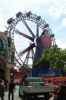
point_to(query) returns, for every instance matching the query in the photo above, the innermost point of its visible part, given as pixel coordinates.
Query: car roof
(34, 79)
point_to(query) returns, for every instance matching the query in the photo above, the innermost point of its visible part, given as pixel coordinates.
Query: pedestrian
(11, 90)
(24, 81)
(62, 93)
(2, 88)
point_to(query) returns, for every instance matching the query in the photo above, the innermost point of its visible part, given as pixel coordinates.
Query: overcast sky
(54, 12)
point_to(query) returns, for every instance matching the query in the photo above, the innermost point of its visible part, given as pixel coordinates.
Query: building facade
(7, 52)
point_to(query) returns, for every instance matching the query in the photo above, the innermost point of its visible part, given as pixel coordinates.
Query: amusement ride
(38, 34)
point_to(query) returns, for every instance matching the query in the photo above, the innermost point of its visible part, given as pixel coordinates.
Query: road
(16, 97)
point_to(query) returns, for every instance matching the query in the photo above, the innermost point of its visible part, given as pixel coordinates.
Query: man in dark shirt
(11, 90)
(2, 87)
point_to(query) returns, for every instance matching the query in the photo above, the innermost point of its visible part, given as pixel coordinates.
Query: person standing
(11, 90)
(2, 88)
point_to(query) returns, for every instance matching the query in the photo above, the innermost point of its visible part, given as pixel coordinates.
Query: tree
(54, 56)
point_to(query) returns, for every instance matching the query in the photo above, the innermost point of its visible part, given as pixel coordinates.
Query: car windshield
(34, 81)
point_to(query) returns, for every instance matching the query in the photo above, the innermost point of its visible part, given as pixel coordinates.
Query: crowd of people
(10, 87)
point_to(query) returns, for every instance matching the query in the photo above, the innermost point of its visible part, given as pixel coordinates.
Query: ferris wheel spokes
(26, 36)
(25, 23)
(37, 30)
(27, 49)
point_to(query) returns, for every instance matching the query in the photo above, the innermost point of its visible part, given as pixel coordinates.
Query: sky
(53, 11)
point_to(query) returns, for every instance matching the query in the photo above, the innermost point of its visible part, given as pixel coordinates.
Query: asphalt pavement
(16, 95)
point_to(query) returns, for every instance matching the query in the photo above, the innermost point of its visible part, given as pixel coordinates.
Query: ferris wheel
(34, 33)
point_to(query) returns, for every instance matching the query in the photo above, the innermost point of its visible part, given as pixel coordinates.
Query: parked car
(33, 88)
(30, 82)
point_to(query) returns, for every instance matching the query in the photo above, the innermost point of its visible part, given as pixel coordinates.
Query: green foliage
(54, 56)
